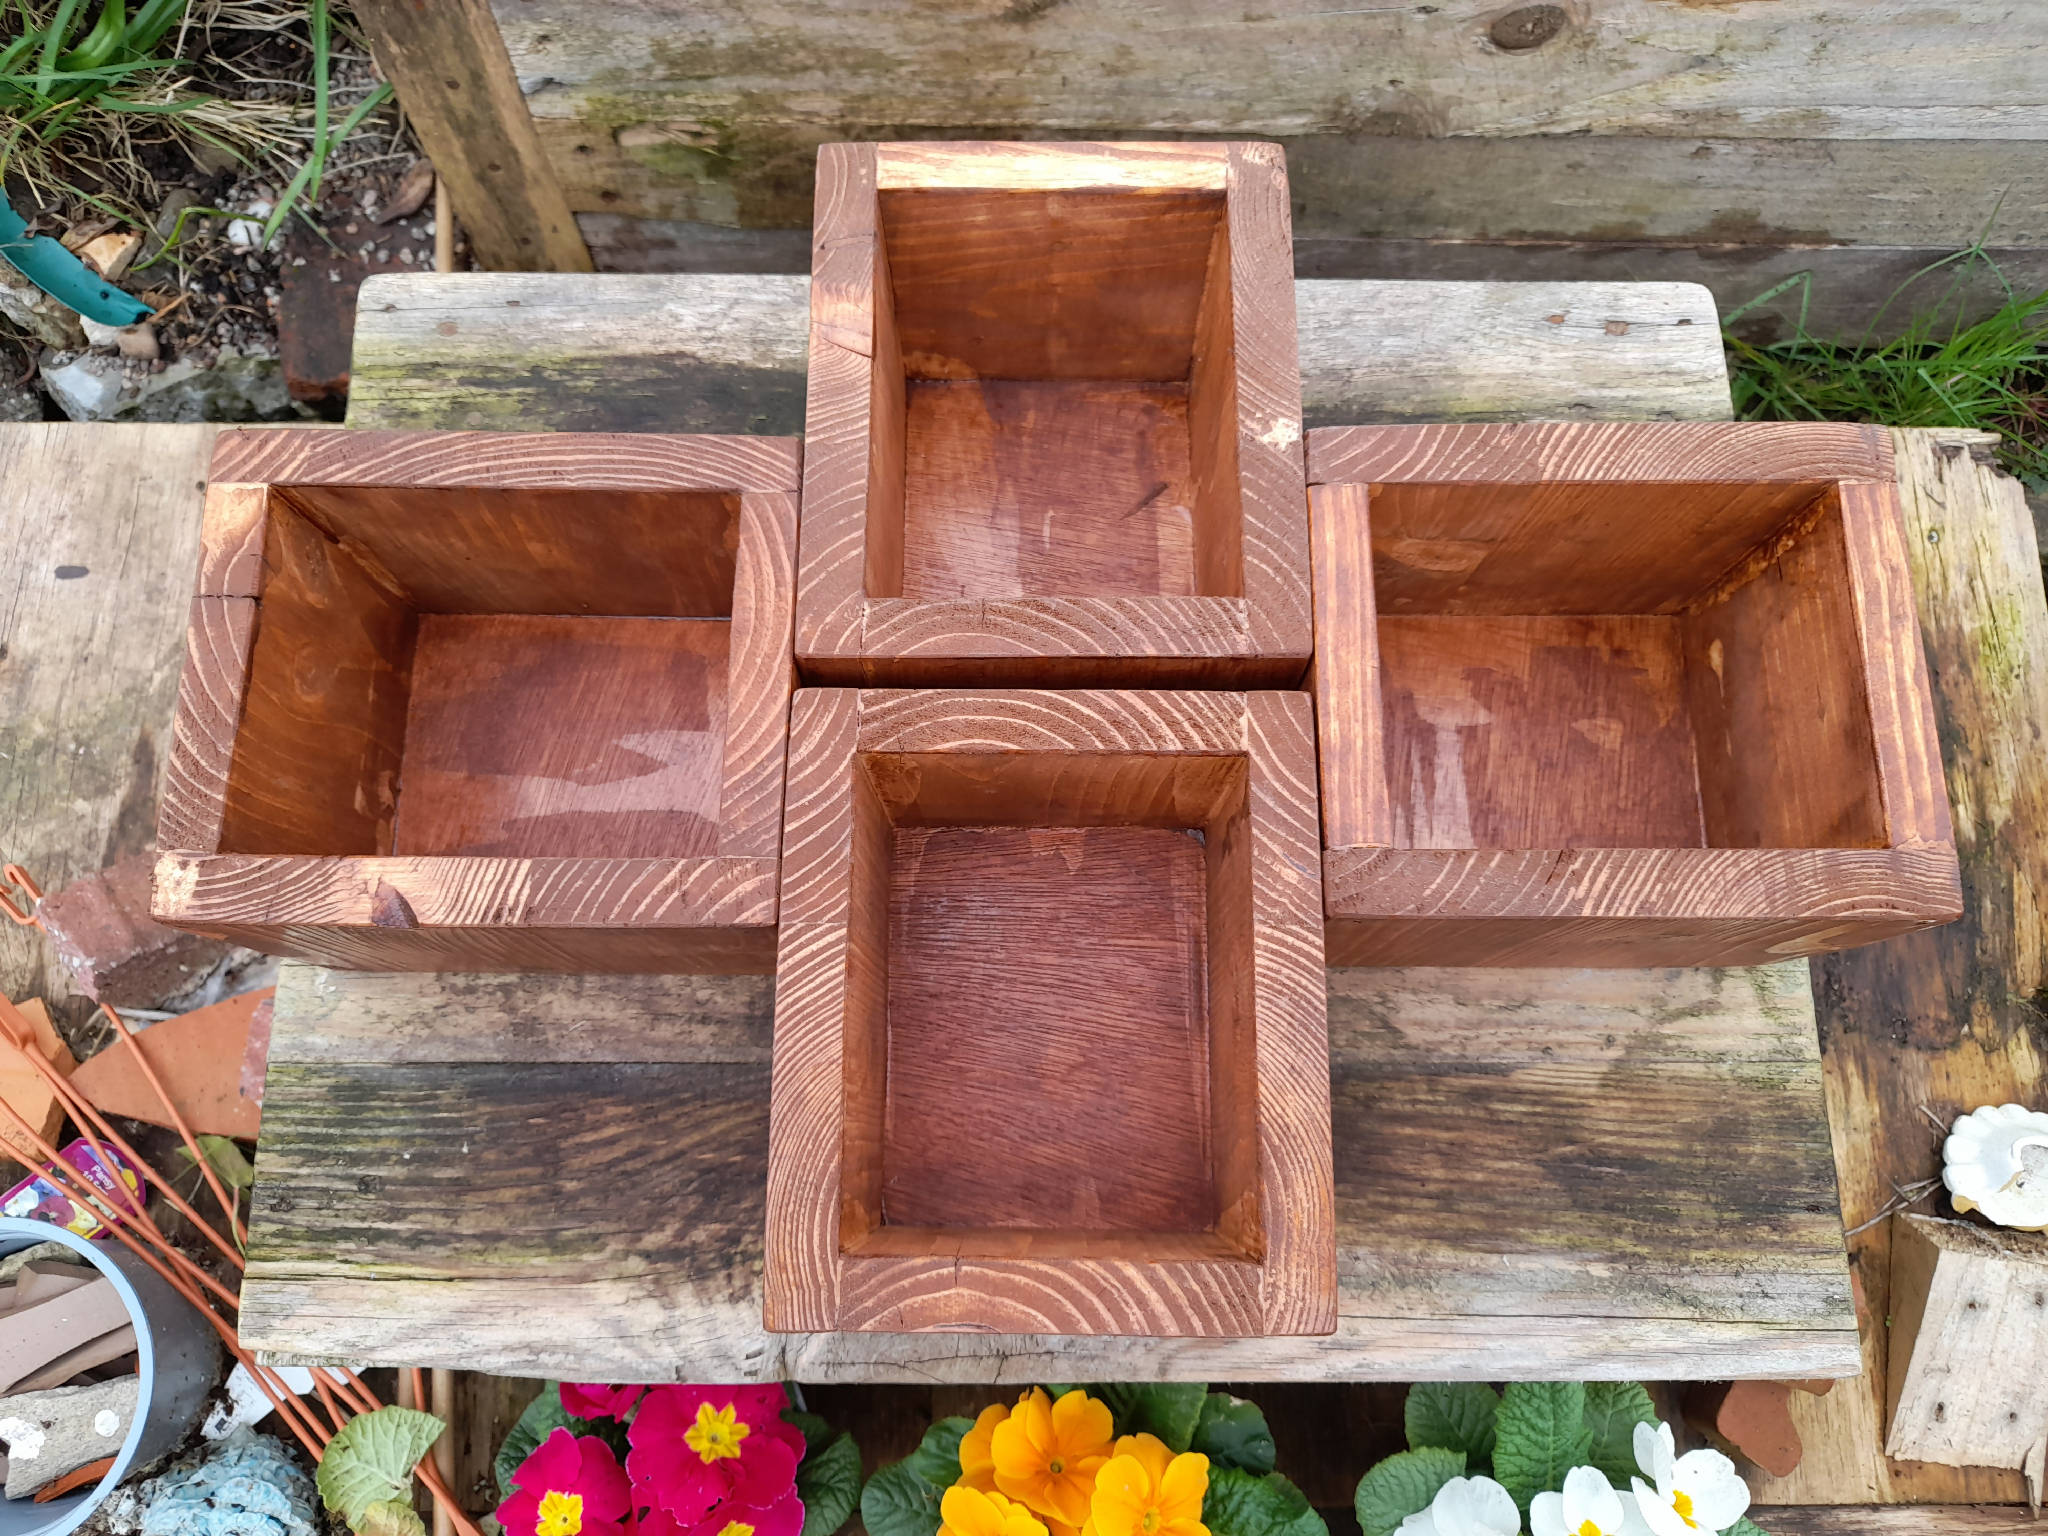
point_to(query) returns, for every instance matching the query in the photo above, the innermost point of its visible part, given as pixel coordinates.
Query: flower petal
(1081, 1425)
(1655, 1452)
(1589, 1496)
(1657, 1512)
(1546, 1515)
(1151, 1453)
(1182, 1489)
(1476, 1506)
(1719, 1495)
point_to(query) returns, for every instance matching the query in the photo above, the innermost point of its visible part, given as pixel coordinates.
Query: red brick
(103, 933)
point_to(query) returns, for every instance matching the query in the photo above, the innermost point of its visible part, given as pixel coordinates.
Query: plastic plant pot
(177, 1358)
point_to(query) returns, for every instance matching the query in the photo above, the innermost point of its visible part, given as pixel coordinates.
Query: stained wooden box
(487, 701)
(1051, 1052)
(1619, 694)
(1053, 434)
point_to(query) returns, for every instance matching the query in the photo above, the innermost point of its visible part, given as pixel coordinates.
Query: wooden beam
(456, 83)
(1949, 1019)
(1895, 1520)
(727, 353)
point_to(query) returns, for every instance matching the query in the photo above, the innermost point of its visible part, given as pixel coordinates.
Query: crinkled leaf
(1233, 1433)
(370, 1460)
(543, 1416)
(828, 1482)
(816, 1432)
(1613, 1410)
(1239, 1504)
(1168, 1409)
(897, 1502)
(227, 1160)
(1453, 1416)
(937, 1460)
(1402, 1485)
(1540, 1434)
(391, 1518)
(1745, 1527)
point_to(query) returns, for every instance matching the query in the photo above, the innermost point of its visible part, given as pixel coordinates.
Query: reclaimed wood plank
(463, 99)
(99, 536)
(1598, 1089)
(550, 352)
(1948, 1019)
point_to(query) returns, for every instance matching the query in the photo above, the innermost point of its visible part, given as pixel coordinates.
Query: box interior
(1049, 1051)
(528, 672)
(1054, 396)
(1621, 665)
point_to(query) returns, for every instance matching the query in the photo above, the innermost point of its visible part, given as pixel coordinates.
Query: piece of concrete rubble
(237, 386)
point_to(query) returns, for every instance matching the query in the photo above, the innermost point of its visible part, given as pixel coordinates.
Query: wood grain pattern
(1057, 345)
(1185, 823)
(1582, 1237)
(541, 352)
(1625, 906)
(441, 646)
(1941, 1018)
(459, 89)
(445, 912)
(1904, 1520)
(1543, 696)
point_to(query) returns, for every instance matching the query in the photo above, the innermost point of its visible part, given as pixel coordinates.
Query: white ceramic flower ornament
(1699, 1491)
(1467, 1506)
(1996, 1161)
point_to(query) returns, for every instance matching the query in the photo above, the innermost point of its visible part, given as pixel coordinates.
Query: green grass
(1991, 374)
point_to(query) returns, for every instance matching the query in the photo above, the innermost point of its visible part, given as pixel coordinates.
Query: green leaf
(1239, 1504)
(897, 1502)
(1613, 1410)
(816, 1432)
(1453, 1416)
(393, 1517)
(1539, 1435)
(543, 1416)
(1232, 1433)
(1403, 1485)
(226, 1160)
(937, 1460)
(1167, 1409)
(828, 1482)
(370, 1460)
(1745, 1527)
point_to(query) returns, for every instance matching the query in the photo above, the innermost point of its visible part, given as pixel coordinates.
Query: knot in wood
(1526, 27)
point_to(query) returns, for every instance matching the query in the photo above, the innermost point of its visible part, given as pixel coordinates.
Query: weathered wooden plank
(716, 92)
(728, 353)
(1585, 1235)
(1948, 1019)
(1902, 1519)
(99, 536)
(459, 91)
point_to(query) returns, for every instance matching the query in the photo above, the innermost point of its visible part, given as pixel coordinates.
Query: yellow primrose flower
(978, 1452)
(971, 1512)
(1146, 1490)
(1047, 1453)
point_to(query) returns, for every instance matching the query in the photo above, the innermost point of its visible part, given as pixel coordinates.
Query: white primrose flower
(1467, 1506)
(1589, 1506)
(1699, 1491)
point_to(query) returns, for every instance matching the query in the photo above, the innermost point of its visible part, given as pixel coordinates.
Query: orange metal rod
(178, 1120)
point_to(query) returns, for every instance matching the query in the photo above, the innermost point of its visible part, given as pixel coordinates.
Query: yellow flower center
(1682, 1502)
(561, 1514)
(1588, 1528)
(1055, 1466)
(1150, 1523)
(737, 1528)
(717, 1433)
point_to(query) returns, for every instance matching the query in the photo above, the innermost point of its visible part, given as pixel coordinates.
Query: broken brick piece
(198, 1057)
(103, 933)
(1752, 1419)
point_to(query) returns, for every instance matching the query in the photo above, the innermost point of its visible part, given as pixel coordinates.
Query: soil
(211, 283)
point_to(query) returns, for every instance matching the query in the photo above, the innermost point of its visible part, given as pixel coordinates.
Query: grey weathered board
(1724, 143)
(1540, 1173)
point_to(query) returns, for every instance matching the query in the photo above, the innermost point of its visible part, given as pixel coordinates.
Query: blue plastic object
(249, 1486)
(62, 275)
(177, 1359)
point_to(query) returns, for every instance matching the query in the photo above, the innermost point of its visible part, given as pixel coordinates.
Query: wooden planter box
(1620, 694)
(1054, 428)
(1050, 1041)
(486, 701)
